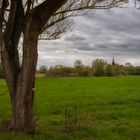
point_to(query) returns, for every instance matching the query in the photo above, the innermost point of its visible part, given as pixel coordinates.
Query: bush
(84, 72)
(60, 70)
(42, 69)
(130, 70)
(137, 71)
(109, 70)
(98, 67)
(118, 70)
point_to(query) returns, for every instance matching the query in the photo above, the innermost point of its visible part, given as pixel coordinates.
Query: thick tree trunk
(21, 86)
(22, 101)
(21, 79)
(22, 105)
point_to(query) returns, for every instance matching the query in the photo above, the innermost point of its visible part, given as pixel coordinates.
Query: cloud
(75, 38)
(102, 34)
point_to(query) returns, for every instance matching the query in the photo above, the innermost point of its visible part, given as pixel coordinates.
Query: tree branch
(43, 12)
(73, 8)
(11, 36)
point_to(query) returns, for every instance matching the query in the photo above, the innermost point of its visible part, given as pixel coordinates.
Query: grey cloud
(105, 34)
(75, 38)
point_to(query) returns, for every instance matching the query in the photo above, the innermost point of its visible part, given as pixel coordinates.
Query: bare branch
(49, 14)
(74, 8)
(56, 31)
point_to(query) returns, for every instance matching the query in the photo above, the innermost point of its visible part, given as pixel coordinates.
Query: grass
(105, 108)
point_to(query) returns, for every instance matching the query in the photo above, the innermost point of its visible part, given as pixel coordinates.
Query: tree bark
(22, 101)
(22, 83)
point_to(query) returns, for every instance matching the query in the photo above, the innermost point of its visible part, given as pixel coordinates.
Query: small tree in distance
(42, 69)
(99, 66)
(78, 64)
(109, 70)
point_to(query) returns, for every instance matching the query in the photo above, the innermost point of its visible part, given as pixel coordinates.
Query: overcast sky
(104, 34)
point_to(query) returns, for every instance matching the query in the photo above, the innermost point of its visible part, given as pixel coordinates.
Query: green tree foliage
(78, 64)
(137, 70)
(60, 70)
(84, 71)
(80, 69)
(118, 70)
(109, 70)
(130, 70)
(98, 67)
(42, 69)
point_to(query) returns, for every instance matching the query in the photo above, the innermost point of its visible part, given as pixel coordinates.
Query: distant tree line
(99, 67)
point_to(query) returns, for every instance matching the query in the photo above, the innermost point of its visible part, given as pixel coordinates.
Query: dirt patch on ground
(39, 75)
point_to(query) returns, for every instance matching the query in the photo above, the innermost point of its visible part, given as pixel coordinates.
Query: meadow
(98, 108)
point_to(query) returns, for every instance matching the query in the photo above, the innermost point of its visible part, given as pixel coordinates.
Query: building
(128, 64)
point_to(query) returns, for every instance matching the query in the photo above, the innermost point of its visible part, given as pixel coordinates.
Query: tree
(98, 67)
(60, 70)
(42, 69)
(109, 70)
(137, 70)
(33, 20)
(78, 64)
(79, 68)
(129, 69)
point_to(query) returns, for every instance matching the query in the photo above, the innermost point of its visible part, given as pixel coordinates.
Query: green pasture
(101, 108)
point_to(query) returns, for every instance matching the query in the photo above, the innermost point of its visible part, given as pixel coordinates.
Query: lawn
(101, 108)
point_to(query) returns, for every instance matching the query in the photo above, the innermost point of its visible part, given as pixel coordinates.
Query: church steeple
(113, 62)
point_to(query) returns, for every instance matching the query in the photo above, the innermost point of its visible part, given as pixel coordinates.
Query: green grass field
(106, 108)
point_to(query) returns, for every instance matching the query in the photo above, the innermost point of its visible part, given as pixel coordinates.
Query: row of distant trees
(99, 67)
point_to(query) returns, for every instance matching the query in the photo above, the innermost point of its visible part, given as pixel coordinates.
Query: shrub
(98, 67)
(109, 70)
(42, 69)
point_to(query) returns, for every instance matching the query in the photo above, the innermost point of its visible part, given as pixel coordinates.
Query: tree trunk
(21, 79)
(21, 86)
(22, 101)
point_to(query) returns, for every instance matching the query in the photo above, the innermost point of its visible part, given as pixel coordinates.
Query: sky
(104, 34)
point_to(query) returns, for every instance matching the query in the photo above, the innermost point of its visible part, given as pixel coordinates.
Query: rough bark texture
(20, 79)
(25, 81)
(21, 86)
(23, 99)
